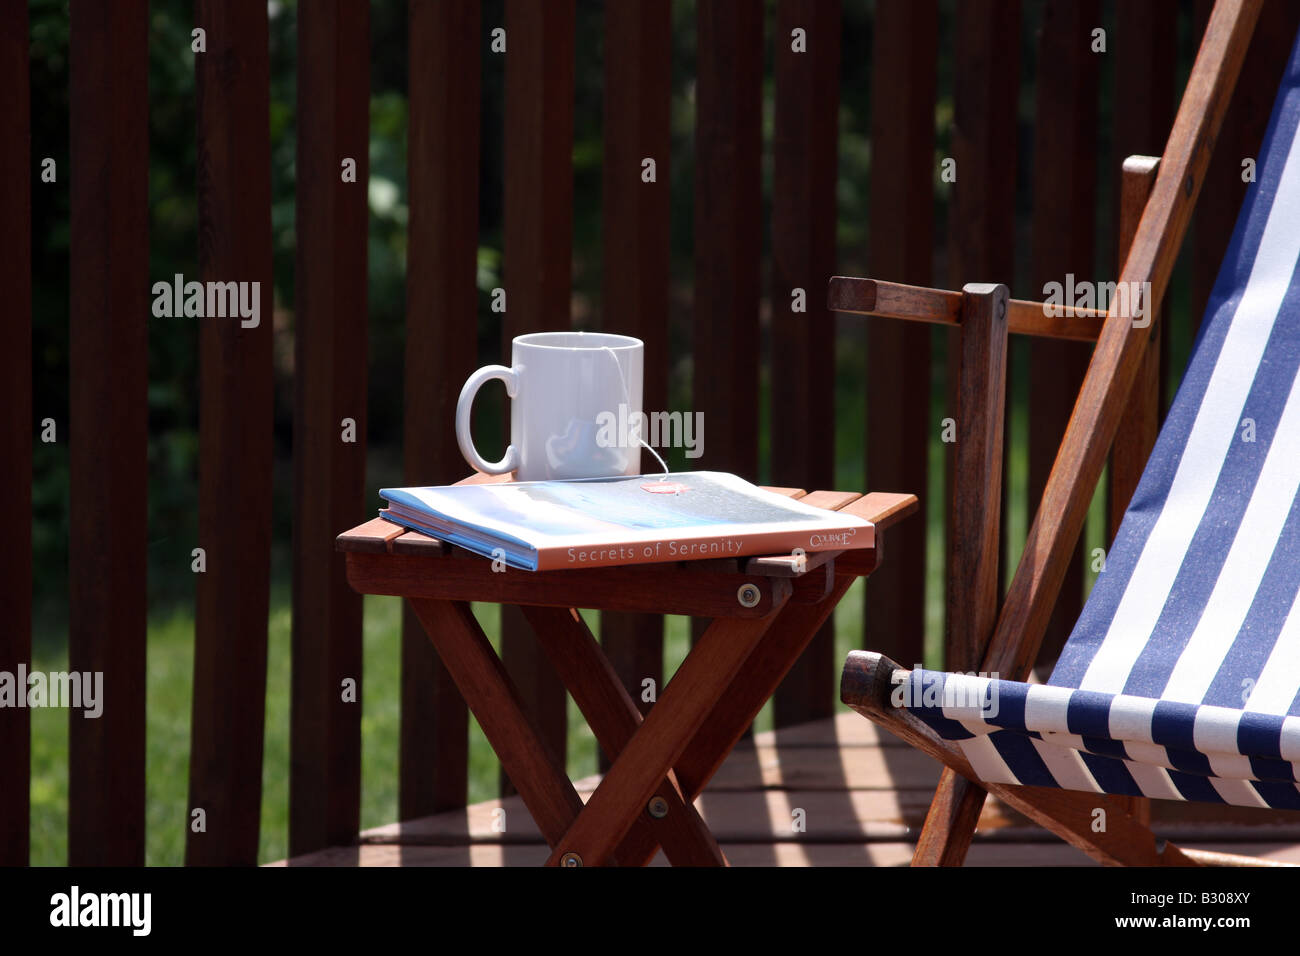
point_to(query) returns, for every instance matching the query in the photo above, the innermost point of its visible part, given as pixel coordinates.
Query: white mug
(564, 386)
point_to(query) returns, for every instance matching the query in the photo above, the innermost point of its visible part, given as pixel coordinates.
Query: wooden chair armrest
(942, 306)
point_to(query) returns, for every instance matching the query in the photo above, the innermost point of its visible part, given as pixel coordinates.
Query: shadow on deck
(863, 798)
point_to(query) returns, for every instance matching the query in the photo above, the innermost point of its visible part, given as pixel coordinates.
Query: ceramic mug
(564, 388)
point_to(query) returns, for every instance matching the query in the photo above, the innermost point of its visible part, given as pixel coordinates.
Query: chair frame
(1126, 355)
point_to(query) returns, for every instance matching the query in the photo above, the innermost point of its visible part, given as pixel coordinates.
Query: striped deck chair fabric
(1181, 679)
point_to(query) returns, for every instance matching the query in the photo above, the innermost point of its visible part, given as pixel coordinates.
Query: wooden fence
(984, 240)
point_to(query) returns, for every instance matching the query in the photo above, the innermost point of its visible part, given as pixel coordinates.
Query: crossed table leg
(643, 802)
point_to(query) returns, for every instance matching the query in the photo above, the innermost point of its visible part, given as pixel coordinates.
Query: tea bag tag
(664, 487)
(667, 488)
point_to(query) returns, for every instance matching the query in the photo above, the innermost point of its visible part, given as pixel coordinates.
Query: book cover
(600, 522)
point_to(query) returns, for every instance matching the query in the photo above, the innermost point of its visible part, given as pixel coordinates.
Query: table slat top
(380, 536)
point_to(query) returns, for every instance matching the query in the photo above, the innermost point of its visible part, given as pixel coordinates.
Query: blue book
(601, 522)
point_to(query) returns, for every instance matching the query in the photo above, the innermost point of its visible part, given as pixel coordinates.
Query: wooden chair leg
(1140, 424)
(950, 822)
(976, 526)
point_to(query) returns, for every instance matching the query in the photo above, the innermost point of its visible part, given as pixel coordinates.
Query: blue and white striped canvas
(1181, 679)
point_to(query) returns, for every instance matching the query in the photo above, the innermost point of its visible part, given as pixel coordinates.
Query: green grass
(170, 673)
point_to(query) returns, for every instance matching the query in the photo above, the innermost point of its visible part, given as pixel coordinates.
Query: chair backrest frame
(1121, 346)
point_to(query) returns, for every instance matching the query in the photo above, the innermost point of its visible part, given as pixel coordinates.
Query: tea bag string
(627, 401)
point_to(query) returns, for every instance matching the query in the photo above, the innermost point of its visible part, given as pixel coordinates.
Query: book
(601, 522)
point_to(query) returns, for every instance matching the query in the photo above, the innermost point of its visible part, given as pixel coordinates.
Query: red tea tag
(664, 487)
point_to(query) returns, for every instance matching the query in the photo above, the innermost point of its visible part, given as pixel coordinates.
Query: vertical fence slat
(108, 430)
(1240, 137)
(727, 235)
(804, 171)
(728, 231)
(1144, 81)
(330, 351)
(1144, 108)
(1144, 104)
(981, 213)
(441, 345)
(16, 425)
(1064, 211)
(538, 264)
(904, 76)
(235, 414)
(635, 217)
(986, 84)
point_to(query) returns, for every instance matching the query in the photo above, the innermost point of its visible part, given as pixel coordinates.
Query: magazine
(643, 519)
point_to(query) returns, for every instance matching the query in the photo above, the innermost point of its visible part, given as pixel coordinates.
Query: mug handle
(465, 404)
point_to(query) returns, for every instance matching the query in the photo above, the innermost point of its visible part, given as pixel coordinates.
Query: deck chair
(1181, 679)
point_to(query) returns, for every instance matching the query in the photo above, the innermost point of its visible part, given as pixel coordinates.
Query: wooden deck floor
(862, 795)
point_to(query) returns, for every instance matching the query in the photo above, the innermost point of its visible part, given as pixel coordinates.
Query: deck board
(863, 797)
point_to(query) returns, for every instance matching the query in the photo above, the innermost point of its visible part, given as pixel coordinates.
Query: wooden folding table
(764, 612)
